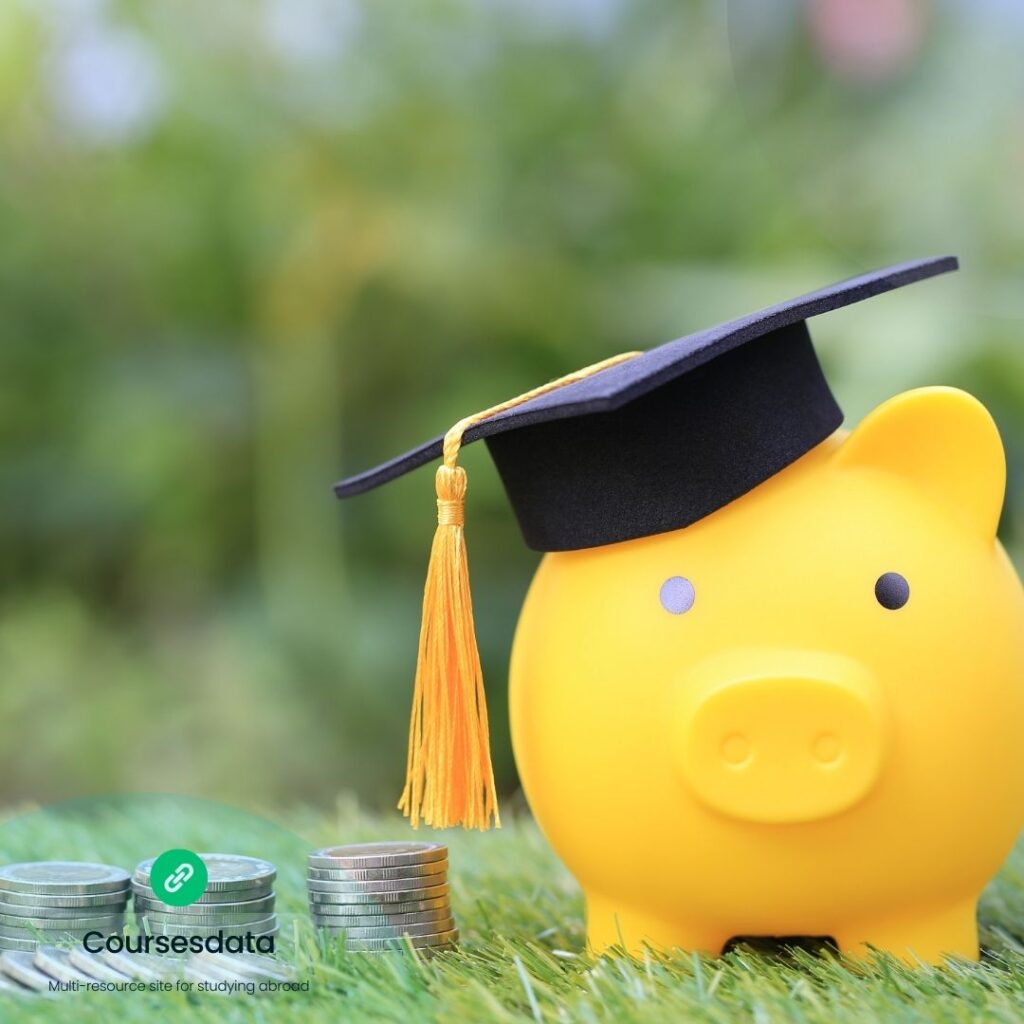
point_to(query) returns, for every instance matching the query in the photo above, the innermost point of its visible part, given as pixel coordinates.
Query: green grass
(521, 918)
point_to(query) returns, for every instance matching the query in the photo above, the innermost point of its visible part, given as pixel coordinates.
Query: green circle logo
(178, 877)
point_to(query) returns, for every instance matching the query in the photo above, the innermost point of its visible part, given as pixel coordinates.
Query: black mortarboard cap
(638, 445)
(661, 440)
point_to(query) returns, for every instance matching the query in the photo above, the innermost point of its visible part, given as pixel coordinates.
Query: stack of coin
(238, 900)
(375, 894)
(52, 901)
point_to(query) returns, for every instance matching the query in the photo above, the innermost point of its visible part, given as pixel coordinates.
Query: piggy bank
(799, 716)
(769, 677)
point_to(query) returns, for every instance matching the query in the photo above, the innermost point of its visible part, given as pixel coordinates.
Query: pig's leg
(926, 936)
(610, 923)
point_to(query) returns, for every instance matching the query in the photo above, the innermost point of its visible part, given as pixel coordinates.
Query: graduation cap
(635, 445)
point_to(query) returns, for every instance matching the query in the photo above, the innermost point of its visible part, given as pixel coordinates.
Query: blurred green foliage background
(249, 246)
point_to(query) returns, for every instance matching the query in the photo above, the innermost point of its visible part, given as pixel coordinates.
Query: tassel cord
(449, 777)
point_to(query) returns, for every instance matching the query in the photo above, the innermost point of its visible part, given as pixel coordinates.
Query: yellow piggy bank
(769, 678)
(801, 715)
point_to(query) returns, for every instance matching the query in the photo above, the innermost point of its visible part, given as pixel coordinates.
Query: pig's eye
(892, 590)
(677, 595)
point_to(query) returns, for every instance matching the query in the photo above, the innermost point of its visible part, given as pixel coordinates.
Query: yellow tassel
(449, 779)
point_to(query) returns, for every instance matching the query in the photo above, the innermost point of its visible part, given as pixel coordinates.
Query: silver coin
(197, 930)
(145, 892)
(437, 939)
(328, 892)
(140, 966)
(10, 987)
(397, 921)
(93, 966)
(251, 965)
(43, 902)
(64, 939)
(264, 903)
(201, 917)
(205, 920)
(335, 906)
(55, 962)
(70, 923)
(380, 915)
(424, 952)
(430, 928)
(261, 927)
(410, 871)
(226, 872)
(62, 876)
(21, 945)
(9, 910)
(54, 937)
(377, 855)
(19, 965)
(403, 885)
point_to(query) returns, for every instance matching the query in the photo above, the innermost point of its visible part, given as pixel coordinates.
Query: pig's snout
(780, 736)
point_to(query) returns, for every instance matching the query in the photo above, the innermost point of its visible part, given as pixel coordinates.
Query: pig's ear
(943, 441)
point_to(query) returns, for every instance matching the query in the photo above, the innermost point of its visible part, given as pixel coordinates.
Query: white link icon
(181, 875)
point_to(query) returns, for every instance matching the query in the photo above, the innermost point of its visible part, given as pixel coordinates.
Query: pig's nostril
(735, 750)
(826, 748)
